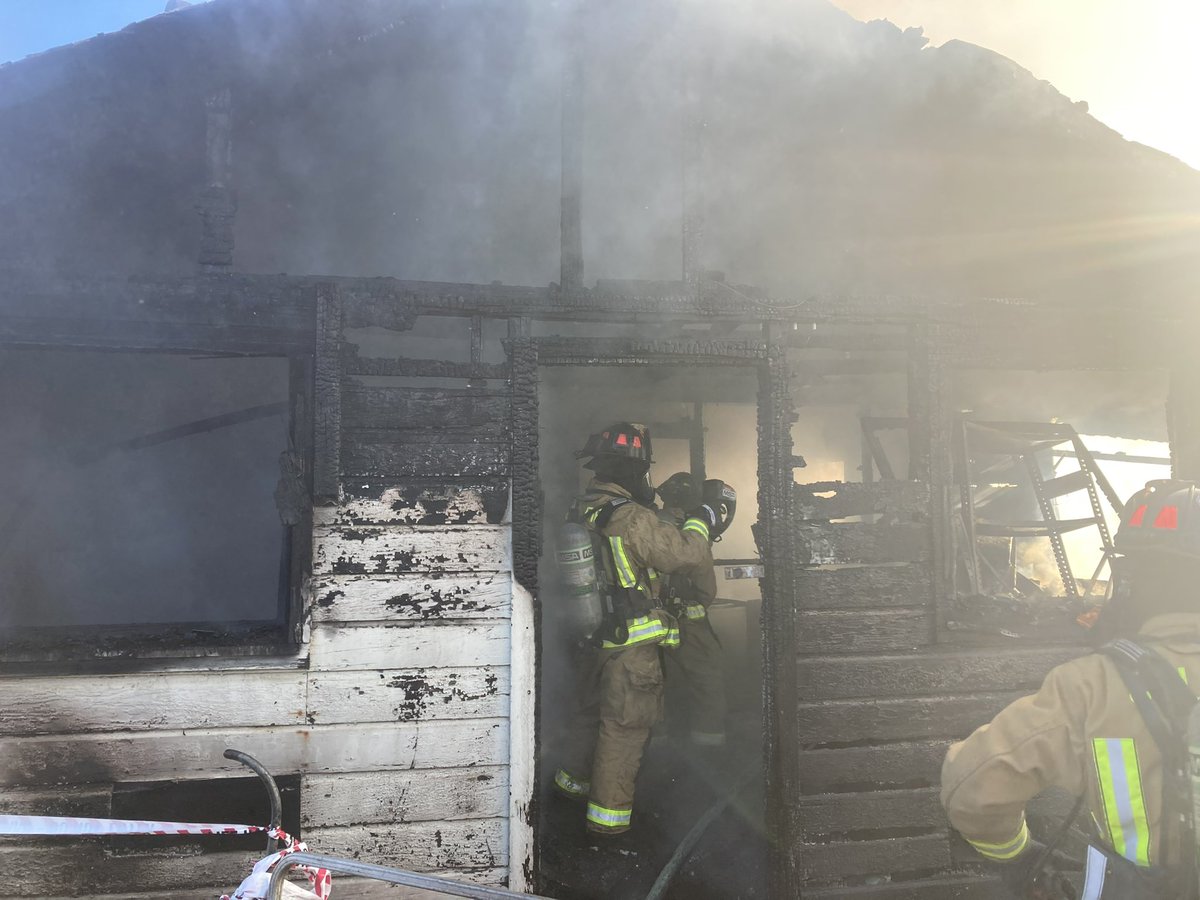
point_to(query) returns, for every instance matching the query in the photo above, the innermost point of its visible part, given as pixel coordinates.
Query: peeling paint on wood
(411, 597)
(407, 695)
(403, 454)
(406, 646)
(423, 847)
(161, 755)
(404, 550)
(408, 505)
(364, 798)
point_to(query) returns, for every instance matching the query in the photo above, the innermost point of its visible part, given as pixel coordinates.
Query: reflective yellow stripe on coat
(1005, 850)
(608, 818)
(1124, 803)
(644, 629)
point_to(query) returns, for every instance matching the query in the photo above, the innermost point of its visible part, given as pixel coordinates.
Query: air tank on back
(584, 605)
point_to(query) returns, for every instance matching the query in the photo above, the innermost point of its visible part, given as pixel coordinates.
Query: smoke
(423, 141)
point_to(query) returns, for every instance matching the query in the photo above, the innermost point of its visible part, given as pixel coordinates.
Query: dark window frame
(120, 648)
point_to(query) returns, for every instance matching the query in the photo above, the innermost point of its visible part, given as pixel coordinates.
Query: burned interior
(309, 514)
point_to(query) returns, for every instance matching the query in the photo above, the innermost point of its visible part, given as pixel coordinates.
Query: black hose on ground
(659, 889)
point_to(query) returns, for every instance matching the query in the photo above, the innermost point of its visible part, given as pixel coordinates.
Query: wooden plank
(824, 815)
(408, 646)
(889, 856)
(402, 550)
(860, 631)
(426, 795)
(398, 454)
(407, 695)
(89, 800)
(952, 887)
(842, 721)
(422, 847)
(58, 705)
(415, 504)
(522, 810)
(84, 868)
(825, 500)
(159, 755)
(859, 542)
(864, 586)
(341, 598)
(874, 676)
(480, 411)
(902, 764)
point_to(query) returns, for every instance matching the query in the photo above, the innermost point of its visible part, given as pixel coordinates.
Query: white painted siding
(396, 714)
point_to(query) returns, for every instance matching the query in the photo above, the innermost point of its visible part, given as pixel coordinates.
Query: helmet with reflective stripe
(621, 440)
(1163, 517)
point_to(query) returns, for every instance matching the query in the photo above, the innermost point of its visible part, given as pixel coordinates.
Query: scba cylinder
(577, 572)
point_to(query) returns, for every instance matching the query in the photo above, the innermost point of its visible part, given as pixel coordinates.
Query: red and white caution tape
(253, 888)
(74, 825)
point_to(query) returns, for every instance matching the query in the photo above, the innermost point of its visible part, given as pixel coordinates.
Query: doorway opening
(702, 420)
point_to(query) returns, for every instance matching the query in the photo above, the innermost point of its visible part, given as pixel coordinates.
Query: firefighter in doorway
(1106, 727)
(621, 686)
(697, 663)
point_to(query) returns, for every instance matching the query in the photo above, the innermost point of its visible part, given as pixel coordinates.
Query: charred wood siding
(879, 700)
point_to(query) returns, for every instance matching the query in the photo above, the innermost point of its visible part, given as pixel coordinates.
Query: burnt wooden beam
(774, 534)
(280, 300)
(482, 411)
(421, 368)
(327, 396)
(864, 586)
(561, 351)
(825, 500)
(523, 355)
(218, 202)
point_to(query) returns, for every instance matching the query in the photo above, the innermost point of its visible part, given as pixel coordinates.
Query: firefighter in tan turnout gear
(1108, 727)
(697, 663)
(621, 686)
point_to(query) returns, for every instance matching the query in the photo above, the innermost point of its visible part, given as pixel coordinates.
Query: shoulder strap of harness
(1164, 701)
(601, 516)
(1161, 696)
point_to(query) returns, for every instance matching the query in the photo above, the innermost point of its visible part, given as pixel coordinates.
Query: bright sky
(1134, 61)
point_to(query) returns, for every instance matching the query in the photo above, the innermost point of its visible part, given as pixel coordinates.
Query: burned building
(304, 514)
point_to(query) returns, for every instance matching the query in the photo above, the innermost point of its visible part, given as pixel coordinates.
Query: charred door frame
(776, 498)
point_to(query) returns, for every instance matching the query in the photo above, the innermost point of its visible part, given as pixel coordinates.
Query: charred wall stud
(327, 396)
(526, 499)
(777, 544)
(218, 202)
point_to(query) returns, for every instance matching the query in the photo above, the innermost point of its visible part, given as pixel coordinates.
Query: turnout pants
(621, 697)
(697, 667)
